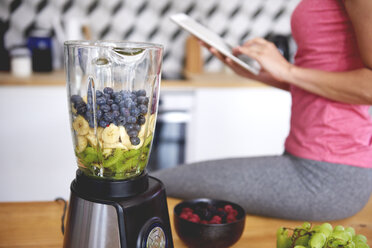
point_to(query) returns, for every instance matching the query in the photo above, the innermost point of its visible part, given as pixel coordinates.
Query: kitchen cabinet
(237, 122)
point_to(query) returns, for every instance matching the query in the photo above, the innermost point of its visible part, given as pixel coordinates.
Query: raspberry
(187, 210)
(204, 222)
(196, 217)
(228, 208)
(217, 218)
(195, 220)
(230, 218)
(214, 221)
(184, 216)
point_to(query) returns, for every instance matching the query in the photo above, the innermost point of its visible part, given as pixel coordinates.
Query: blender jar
(113, 92)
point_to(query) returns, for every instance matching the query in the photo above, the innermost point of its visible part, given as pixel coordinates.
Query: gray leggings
(277, 186)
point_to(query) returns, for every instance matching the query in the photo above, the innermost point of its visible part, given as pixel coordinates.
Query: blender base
(139, 220)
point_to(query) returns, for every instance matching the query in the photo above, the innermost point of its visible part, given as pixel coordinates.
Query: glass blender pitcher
(113, 92)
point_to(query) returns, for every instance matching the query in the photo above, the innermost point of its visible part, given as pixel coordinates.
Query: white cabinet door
(235, 122)
(36, 153)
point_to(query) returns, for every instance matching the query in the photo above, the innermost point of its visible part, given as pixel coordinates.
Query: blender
(113, 92)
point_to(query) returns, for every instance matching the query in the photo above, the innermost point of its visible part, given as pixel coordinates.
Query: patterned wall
(147, 20)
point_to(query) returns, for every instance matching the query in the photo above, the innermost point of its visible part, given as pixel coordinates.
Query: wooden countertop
(57, 78)
(38, 224)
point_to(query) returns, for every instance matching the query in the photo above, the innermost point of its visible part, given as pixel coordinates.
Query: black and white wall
(147, 20)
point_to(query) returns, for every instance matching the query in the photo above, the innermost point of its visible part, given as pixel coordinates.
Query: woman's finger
(217, 54)
(257, 40)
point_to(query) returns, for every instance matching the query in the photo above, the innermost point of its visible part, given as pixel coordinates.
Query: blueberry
(136, 127)
(116, 114)
(131, 119)
(89, 106)
(103, 123)
(105, 108)
(109, 101)
(121, 120)
(129, 127)
(135, 141)
(91, 123)
(108, 90)
(134, 111)
(133, 133)
(126, 94)
(99, 114)
(143, 109)
(100, 100)
(141, 120)
(115, 94)
(76, 98)
(128, 102)
(108, 117)
(125, 112)
(133, 96)
(99, 93)
(121, 104)
(141, 93)
(115, 122)
(107, 96)
(114, 107)
(81, 108)
(141, 100)
(118, 98)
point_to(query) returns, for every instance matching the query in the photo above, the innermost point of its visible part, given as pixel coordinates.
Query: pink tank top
(322, 129)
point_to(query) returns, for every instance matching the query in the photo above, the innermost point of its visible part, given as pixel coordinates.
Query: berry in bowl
(209, 223)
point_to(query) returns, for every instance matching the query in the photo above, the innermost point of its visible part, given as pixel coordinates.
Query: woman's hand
(273, 64)
(268, 56)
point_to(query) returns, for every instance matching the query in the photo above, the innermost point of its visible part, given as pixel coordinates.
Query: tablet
(214, 40)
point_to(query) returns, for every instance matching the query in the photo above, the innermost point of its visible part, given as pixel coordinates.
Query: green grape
(339, 228)
(361, 245)
(300, 246)
(350, 230)
(306, 226)
(282, 238)
(317, 240)
(351, 244)
(341, 235)
(360, 238)
(326, 229)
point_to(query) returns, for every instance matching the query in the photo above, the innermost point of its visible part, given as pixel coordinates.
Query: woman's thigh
(276, 186)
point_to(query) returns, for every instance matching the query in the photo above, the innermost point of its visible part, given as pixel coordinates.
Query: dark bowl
(197, 235)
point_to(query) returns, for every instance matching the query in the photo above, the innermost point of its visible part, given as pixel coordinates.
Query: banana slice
(151, 124)
(82, 143)
(124, 137)
(92, 139)
(111, 134)
(141, 133)
(80, 125)
(114, 146)
(85, 99)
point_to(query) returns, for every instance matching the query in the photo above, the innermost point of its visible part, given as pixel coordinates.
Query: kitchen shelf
(204, 80)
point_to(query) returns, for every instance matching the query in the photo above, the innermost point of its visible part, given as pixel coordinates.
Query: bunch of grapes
(321, 236)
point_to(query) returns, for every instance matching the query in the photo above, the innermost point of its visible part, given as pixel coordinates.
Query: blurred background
(205, 111)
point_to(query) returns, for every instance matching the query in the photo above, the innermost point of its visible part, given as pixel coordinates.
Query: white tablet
(214, 40)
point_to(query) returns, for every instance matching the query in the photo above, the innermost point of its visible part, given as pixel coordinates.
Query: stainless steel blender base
(97, 220)
(93, 225)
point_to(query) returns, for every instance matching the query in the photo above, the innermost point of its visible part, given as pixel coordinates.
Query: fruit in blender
(113, 132)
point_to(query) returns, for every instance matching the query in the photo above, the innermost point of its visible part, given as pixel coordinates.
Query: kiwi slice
(116, 158)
